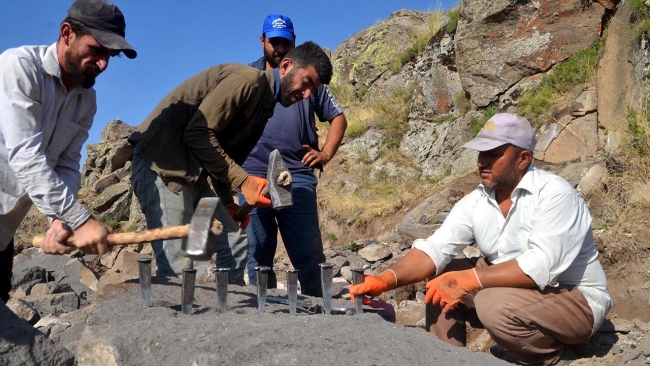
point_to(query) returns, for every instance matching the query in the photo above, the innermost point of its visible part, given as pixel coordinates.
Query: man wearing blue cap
(292, 130)
(47, 106)
(538, 284)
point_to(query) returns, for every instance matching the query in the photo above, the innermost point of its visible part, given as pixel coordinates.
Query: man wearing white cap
(47, 106)
(538, 284)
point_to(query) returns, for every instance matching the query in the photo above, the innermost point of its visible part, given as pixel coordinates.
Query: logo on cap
(279, 23)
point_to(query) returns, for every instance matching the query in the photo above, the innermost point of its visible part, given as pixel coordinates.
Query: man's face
(275, 48)
(298, 84)
(85, 58)
(498, 167)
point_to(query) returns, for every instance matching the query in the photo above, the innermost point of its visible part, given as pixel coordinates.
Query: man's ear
(262, 38)
(66, 33)
(285, 66)
(525, 156)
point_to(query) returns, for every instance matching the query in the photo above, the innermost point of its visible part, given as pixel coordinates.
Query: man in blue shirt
(292, 130)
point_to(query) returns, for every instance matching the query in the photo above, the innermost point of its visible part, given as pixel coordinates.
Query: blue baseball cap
(276, 25)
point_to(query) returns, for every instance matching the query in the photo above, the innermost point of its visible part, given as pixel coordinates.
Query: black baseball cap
(105, 22)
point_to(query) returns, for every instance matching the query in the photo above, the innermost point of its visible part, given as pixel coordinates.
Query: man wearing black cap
(292, 130)
(47, 106)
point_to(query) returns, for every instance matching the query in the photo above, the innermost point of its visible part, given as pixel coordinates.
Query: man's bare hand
(90, 237)
(55, 238)
(313, 157)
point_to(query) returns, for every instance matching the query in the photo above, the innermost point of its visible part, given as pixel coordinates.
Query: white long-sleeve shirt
(547, 231)
(42, 129)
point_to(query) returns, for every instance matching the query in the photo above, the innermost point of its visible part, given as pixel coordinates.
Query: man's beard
(80, 74)
(273, 59)
(286, 89)
(509, 177)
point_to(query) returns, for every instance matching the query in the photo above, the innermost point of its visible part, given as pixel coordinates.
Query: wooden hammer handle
(136, 237)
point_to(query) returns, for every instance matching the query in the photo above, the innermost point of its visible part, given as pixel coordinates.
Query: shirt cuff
(76, 216)
(535, 265)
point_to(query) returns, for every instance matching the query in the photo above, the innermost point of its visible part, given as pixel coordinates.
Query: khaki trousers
(531, 325)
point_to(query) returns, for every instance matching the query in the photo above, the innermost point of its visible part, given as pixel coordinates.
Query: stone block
(88, 277)
(56, 304)
(28, 346)
(23, 310)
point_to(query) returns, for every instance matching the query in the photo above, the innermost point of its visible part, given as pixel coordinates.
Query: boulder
(21, 344)
(498, 43)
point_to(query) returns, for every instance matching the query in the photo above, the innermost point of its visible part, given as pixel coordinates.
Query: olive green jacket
(209, 122)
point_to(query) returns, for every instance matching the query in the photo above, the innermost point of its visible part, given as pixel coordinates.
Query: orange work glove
(232, 210)
(374, 286)
(449, 288)
(252, 188)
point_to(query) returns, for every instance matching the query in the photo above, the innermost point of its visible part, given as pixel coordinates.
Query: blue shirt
(289, 129)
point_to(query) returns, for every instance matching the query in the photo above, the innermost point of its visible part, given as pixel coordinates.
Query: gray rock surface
(21, 344)
(120, 332)
(498, 43)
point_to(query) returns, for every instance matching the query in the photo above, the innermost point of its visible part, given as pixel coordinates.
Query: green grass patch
(639, 128)
(575, 72)
(392, 115)
(640, 18)
(476, 125)
(453, 14)
(351, 246)
(113, 224)
(489, 112)
(462, 103)
(419, 41)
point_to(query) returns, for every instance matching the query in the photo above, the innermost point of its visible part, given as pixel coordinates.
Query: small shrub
(351, 246)
(132, 227)
(392, 114)
(451, 26)
(476, 125)
(461, 102)
(489, 112)
(114, 224)
(419, 42)
(331, 238)
(639, 128)
(640, 18)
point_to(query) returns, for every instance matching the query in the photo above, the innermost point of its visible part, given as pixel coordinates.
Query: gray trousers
(163, 207)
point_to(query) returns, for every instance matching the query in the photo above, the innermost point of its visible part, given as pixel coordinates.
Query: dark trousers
(6, 267)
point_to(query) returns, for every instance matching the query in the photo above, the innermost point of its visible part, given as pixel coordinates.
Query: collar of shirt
(51, 62)
(526, 183)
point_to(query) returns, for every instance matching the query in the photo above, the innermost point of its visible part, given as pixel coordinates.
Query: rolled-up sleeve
(455, 233)
(22, 129)
(556, 238)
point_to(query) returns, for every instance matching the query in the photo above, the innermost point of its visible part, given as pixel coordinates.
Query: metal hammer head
(279, 181)
(200, 242)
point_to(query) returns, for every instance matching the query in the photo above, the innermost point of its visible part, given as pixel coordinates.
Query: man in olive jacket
(206, 127)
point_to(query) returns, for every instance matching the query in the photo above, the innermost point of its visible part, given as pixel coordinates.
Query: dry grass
(419, 40)
(378, 193)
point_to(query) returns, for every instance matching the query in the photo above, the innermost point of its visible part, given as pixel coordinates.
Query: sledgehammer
(201, 231)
